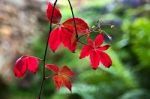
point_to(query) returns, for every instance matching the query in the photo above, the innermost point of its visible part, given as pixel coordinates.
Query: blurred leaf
(136, 94)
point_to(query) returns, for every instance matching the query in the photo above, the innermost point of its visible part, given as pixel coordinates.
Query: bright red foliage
(82, 26)
(24, 63)
(56, 16)
(61, 35)
(96, 52)
(62, 76)
(66, 34)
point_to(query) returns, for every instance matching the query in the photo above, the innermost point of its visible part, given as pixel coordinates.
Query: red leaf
(68, 32)
(66, 71)
(67, 82)
(52, 67)
(91, 43)
(32, 63)
(20, 67)
(103, 48)
(94, 57)
(73, 46)
(61, 79)
(96, 52)
(63, 35)
(68, 39)
(24, 63)
(55, 39)
(105, 59)
(58, 80)
(82, 26)
(62, 75)
(99, 40)
(85, 51)
(56, 15)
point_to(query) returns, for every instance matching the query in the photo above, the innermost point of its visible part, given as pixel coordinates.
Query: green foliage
(140, 39)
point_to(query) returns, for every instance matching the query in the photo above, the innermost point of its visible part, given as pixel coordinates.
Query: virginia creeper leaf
(62, 35)
(69, 39)
(103, 48)
(62, 76)
(24, 63)
(52, 67)
(105, 59)
(85, 51)
(94, 57)
(58, 80)
(55, 39)
(95, 50)
(99, 39)
(32, 63)
(20, 67)
(82, 26)
(56, 15)
(66, 71)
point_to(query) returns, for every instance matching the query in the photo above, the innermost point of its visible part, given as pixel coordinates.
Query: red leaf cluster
(65, 33)
(96, 52)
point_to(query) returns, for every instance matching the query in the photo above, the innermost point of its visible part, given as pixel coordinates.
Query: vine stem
(75, 26)
(45, 53)
(82, 43)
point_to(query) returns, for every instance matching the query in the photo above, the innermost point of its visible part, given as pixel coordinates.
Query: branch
(45, 53)
(82, 43)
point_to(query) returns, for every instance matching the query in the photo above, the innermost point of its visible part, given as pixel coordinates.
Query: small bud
(112, 26)
(93, 26)
(110, 38)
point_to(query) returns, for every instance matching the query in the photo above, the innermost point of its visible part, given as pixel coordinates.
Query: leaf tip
(80, 57)
(94, 68)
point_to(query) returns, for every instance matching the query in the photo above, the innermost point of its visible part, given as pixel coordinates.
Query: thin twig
(82, 43)
(82, 36)
(45, 53)
(75, 26)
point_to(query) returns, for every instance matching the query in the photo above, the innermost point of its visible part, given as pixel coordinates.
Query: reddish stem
(82, 36)
(74, 22)
(82, 43)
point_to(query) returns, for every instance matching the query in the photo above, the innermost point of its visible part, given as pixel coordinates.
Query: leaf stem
(82, 36)
(82, 43)
(45, 53)
(75, 26)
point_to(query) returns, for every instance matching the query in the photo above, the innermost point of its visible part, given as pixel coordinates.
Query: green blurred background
(128, 77)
